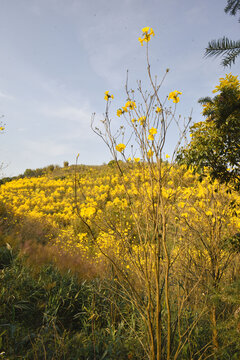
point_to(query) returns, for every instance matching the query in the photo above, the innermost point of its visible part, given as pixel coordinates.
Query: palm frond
(230, 58)
(233, 6)
(224, 47)
(205, 100)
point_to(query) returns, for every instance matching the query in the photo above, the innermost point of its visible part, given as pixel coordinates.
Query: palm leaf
(230, 58)
(224, 47)
(233, 6)
(205, 100)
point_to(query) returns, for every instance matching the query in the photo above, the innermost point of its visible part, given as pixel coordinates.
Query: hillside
(86, 220)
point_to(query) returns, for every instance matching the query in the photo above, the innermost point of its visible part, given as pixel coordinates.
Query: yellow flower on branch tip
(129, 159)
(142, 120)
(130, 104)
(174, 96)
(167, 156)
(133, 121)
(120, 147)
(150, 137)
(108, 96)
(1, 128)
(119, 112)
(158, 110)
(136, 159)
(146, 35)
(150, 153)
(153, 131)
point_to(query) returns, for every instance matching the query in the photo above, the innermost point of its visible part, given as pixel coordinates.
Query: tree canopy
(215, 143)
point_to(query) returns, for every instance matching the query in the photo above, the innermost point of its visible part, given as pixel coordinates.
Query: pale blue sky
(58, 57)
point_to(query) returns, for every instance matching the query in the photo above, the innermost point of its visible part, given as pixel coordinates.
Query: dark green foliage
(215, 142)
(29, 173)
(5, 257)
(53, 313)
(233, 243)
(6, 179)
(50, 168)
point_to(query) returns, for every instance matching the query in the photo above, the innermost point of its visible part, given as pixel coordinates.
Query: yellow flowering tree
(145, 258)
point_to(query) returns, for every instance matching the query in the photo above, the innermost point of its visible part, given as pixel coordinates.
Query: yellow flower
(129, 159)
(142, 120)
(158, 110)
(119, 112)
(174, 96)
(136, 159)
(153, 131)
(120, 147)
(150, 137)
(146, 34)
(1, 128)
(108, 96)
(130, 104)
(167, 156)
(133, 121)
(150, 153)
(152, 32)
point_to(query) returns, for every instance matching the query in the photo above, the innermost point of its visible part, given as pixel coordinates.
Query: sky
(58, 57)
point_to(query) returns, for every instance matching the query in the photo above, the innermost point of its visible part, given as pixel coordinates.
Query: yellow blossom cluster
(142, 120)
(108, 96)
(174, 96)
(120, 147)
(147, 32)
(130, 105)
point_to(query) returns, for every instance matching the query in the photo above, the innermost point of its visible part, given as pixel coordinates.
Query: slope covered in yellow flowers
(115, 206)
